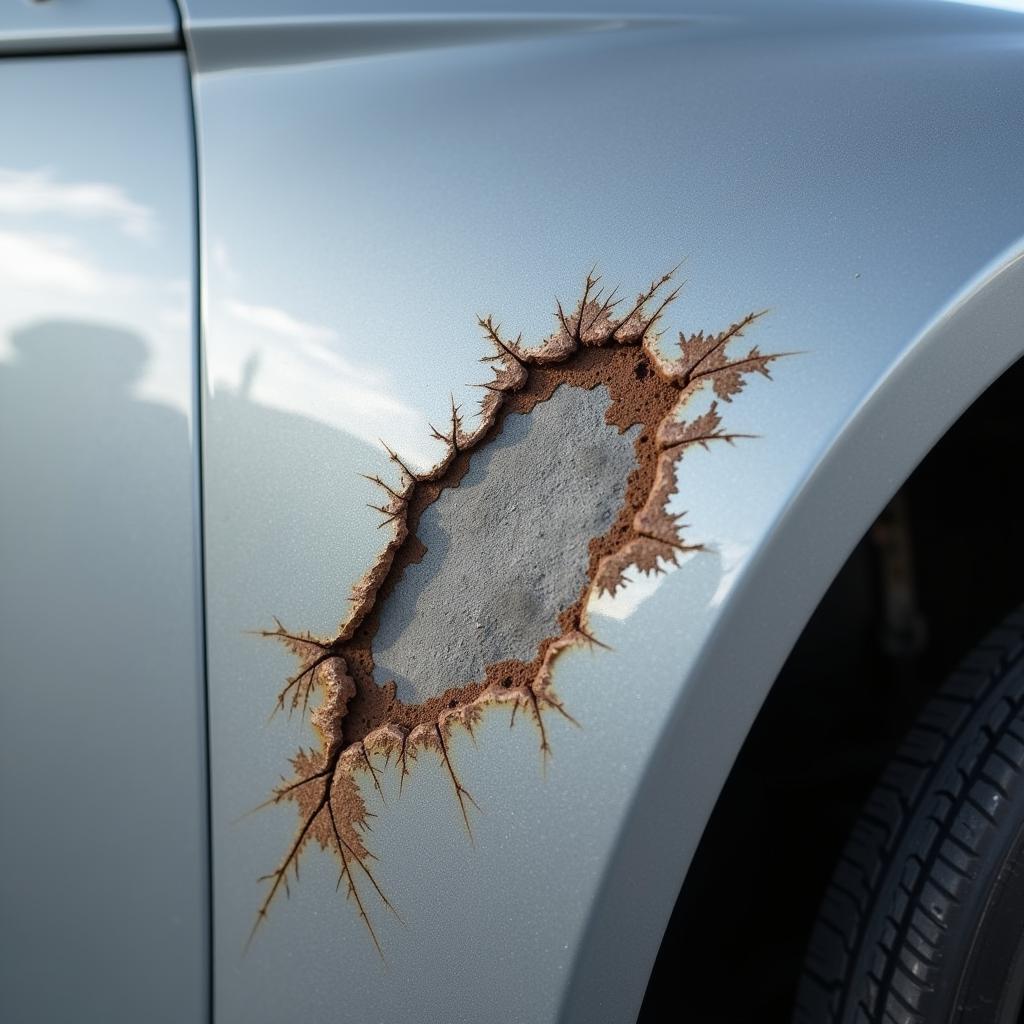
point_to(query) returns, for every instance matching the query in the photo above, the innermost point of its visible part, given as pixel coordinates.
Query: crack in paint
(359, 718)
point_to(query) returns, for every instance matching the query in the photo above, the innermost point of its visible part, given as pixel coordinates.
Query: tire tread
(914, 853)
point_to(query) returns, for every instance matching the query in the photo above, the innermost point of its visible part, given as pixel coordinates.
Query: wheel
(923, 920)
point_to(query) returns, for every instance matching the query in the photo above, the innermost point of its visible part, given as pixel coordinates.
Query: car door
(103, 851)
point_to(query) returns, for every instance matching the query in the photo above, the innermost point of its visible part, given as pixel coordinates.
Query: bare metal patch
(502, 559)
(589, 427)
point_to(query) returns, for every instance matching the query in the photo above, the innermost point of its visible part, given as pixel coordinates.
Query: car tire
(923, 920)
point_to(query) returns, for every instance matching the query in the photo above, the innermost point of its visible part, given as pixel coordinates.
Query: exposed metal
(547, 528)
(495, 575)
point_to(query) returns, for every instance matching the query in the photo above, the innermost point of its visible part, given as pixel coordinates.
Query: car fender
(370, 188)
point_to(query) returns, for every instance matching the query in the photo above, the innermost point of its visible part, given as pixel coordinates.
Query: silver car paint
(859, 176)
(39, 26)
(103, 843)
(856, 169)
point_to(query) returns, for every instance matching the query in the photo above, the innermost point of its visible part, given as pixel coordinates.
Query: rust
(358, 718)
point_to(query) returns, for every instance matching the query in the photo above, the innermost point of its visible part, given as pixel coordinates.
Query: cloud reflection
(47, 261)
(27, 193)
(638, 588)
(294, 365)
(277, 321)
(64, 256)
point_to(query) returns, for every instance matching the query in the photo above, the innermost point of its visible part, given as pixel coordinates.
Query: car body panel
(103, 892)
(953, 359)
(41, 27)
(360, 209)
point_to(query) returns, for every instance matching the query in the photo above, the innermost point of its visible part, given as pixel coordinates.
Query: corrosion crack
(557, 491)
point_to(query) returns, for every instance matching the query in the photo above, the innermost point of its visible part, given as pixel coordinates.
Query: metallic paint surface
(80, 25)
(358, 213)
(103, 844)
(966, 346)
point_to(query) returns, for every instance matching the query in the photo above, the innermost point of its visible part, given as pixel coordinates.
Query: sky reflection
(69, 249)
(284, 362)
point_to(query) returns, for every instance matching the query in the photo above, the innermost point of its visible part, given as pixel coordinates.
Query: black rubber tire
(923, 921)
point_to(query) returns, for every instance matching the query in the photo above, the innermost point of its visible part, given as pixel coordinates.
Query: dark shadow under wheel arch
(896, 934)
(864, 666)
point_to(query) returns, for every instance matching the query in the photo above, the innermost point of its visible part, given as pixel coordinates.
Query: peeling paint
(663, 404)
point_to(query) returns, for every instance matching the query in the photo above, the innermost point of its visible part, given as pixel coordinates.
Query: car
(509, 511)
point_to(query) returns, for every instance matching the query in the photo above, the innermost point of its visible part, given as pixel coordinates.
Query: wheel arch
(912, 406)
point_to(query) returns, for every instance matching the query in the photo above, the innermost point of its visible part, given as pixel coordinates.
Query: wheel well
(938, 567)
